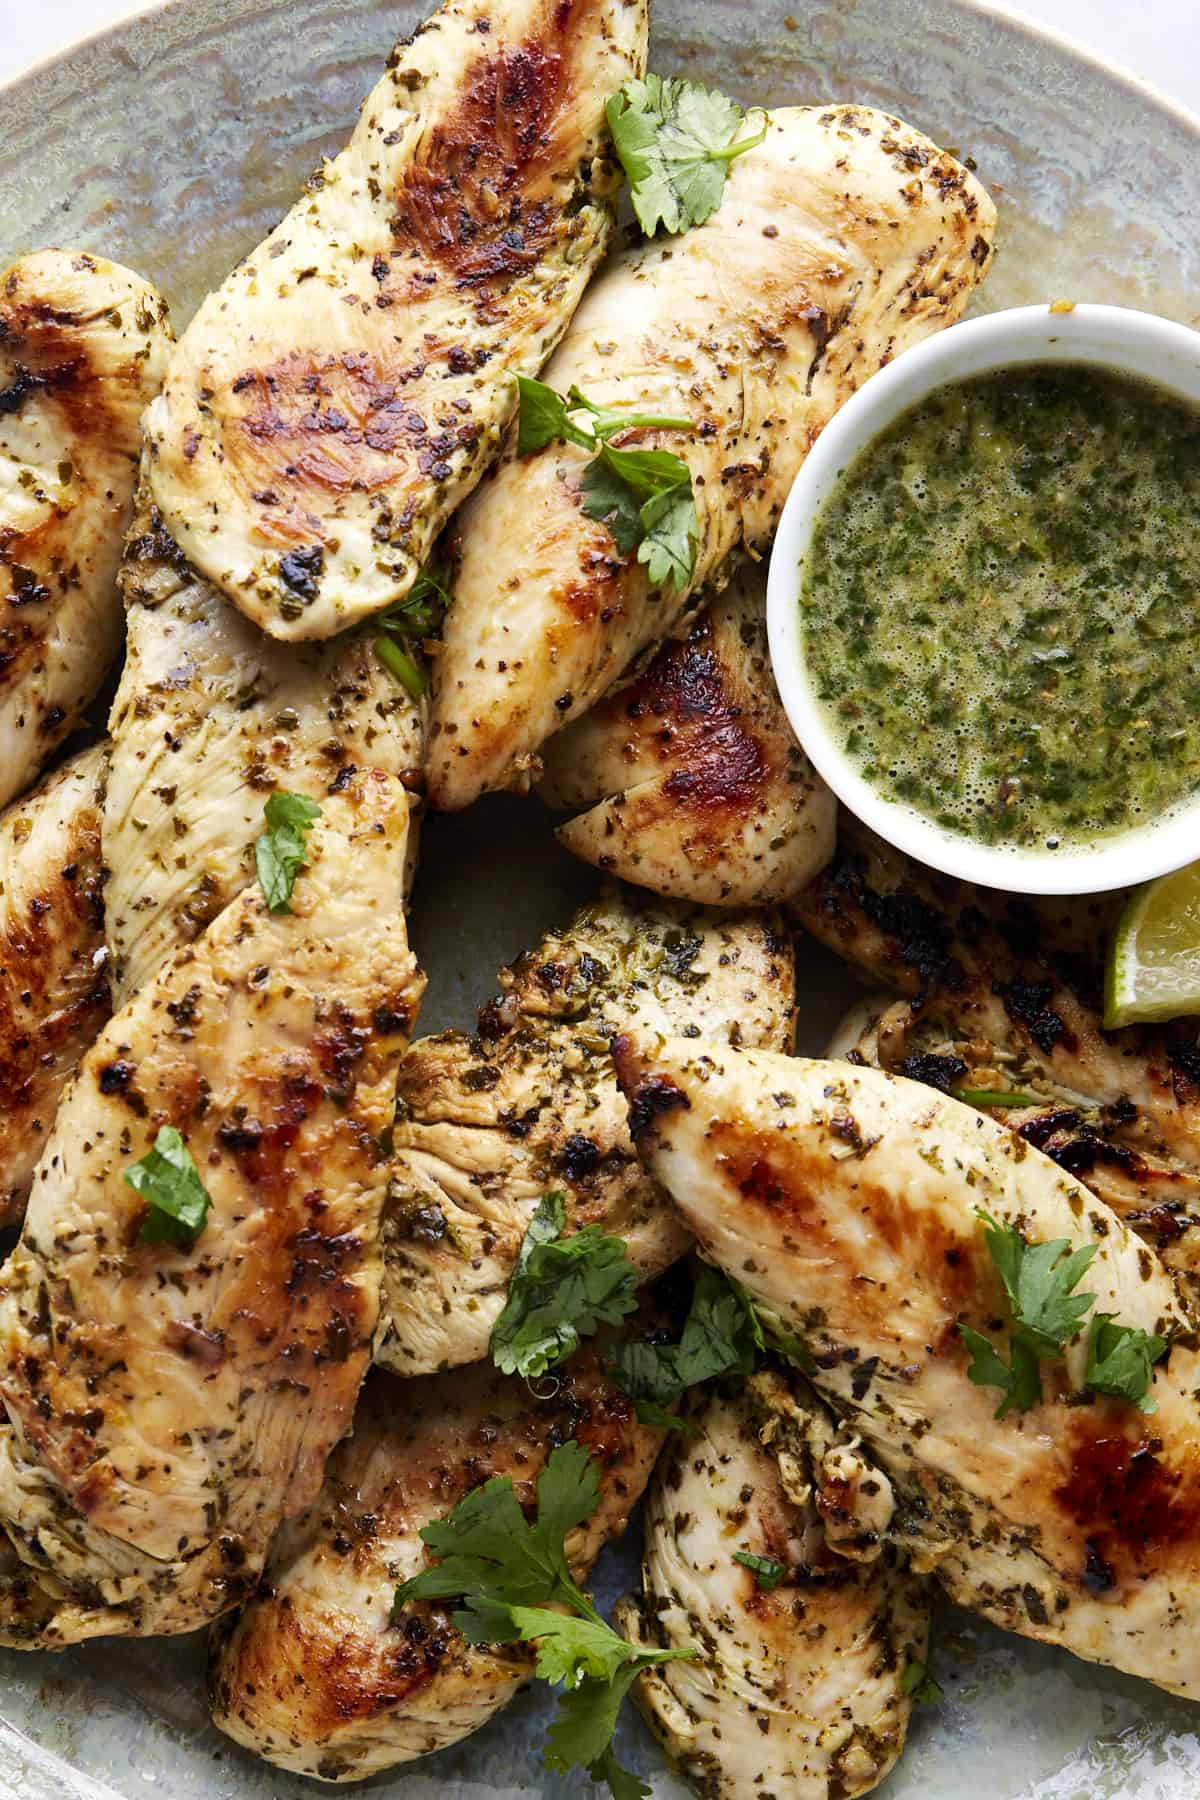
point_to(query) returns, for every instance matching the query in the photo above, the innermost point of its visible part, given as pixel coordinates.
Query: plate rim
(136, 14)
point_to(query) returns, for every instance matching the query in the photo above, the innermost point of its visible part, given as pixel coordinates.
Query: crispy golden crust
(54, 994)
(313, 1675)
(841, 239)
(335, 400)
(703, 793)
(167, 1407)
(83, 346)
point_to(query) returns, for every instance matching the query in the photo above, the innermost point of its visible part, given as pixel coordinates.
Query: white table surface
(1156, 39)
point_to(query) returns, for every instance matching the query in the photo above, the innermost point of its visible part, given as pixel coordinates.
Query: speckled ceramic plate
(172, 143)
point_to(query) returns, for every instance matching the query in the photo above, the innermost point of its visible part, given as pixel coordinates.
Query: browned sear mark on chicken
(465, 202)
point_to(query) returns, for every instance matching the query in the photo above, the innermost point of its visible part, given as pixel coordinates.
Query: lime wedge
(1154, 958)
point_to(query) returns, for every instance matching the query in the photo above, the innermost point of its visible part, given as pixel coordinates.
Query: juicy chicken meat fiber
(338, 397)
(845, 1202)
(695, 785)
(312, 1675)
(1006, 995)
(83, 347)
(209, 719)
(798, 1692)
(841, 239)
(53, 979)
(487, 1125)
(168, 1407)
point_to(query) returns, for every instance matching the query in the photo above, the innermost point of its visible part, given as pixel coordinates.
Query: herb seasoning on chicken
(344, 390)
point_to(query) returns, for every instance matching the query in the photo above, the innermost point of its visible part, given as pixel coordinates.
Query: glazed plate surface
(173, 143)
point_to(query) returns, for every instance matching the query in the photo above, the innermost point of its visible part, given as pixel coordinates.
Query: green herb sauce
(1001, 606)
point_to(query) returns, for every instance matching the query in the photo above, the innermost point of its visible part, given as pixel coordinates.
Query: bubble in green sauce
(1000, 607)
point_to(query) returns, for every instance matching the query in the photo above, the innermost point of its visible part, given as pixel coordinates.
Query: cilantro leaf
(488, 1548)
(1121, 1361)
(1020, 1384)
(177, 1200)
(279, 853)
(721, 1336)
(608, 498)
(510, 1572)
(916, 1681)
(645, 497)
(672, 530)
(561, 1290)
(545, 418)
(1038, 1279)
(767, 1572)
(582, 1730)
(675, 140)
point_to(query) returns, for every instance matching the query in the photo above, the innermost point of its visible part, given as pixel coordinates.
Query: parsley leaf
(916, 1681)
(721, 1336)
(675, 140)
(767, 1572)
(279, 853)
(510, 1572)
(1121, 1361)
(561, 1290)
(419, 613)
(177, 1200)
(645, 497)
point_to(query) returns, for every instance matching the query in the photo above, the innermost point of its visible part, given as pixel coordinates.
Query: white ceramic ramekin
(1109, 337)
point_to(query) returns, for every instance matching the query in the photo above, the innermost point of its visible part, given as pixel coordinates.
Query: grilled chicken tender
(53, 979)
(487, 1125)
(798, 1692)
(333, 402)
(1006, 995)
(209, 719)
(313, 1675)
(841, 239)
(168, 1407)
(83, 347)
(696, 787)
(845, 1201)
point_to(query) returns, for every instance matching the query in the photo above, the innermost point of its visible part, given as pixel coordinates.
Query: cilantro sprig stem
(644, 496)
(409, 621)
(510, 1574)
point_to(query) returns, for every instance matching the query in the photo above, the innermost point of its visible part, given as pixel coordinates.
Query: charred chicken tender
(54, 994)
(342, 392)
(692, 781)
(841, 239)
(486, 1126)
(845, 1201)
(175, 1375)
(801, 1690)
(210, 718)
(1005, 1001)
(315, 1674)
(83, 347)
